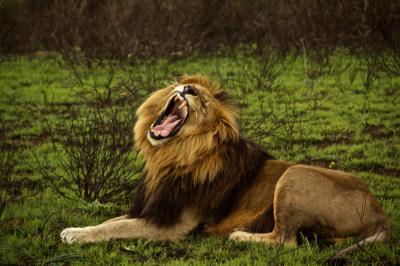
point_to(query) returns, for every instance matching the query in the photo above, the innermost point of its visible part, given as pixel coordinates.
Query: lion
(201, 174)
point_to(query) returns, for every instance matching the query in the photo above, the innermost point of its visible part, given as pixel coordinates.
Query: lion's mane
(202, 169)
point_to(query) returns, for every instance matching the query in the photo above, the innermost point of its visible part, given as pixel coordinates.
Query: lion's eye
(189, 89)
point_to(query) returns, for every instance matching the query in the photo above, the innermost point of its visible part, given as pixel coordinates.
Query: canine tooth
(183, 104)
(180, 97)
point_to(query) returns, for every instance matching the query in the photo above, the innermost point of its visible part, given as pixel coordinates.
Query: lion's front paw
(241, 236)
(76, 235)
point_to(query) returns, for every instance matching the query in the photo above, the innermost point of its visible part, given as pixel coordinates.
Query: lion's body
(202, 174)
(332, 203)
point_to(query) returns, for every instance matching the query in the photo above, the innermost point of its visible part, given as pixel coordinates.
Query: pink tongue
(167, 126)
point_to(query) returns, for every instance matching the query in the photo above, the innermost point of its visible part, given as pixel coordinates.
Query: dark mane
(213, 200)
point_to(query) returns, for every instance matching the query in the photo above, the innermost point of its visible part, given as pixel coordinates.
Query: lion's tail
(382, 235)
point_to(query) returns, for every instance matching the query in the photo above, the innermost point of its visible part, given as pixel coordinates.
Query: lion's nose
(189, 89)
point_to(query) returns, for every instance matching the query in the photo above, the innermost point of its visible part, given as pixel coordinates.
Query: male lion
(201, 173)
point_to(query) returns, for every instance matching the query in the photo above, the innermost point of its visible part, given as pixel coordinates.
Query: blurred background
(173, 27)
(177, 27)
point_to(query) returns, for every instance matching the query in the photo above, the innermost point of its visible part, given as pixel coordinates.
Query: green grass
(313, 120)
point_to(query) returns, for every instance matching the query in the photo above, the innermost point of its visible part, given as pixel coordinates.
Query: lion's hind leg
(296, 206)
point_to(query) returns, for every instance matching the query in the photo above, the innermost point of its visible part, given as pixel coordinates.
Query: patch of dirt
(34, 140)
(317, 162)
(343, 138)
(377, 131)
(379, 169)
(331, 138)
(9, 146)
(42, 138)
(376, 169)
(13, 224)
(62, 109)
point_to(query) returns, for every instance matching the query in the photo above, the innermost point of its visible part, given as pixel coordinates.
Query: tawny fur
(209, 177)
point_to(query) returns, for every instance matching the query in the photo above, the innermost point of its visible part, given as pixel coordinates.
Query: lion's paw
(241, 236)
(75, 235)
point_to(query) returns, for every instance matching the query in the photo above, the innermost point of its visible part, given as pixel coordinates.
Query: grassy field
(336, 115)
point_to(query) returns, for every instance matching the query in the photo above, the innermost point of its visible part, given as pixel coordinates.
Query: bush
(9, 158)
(93, 156)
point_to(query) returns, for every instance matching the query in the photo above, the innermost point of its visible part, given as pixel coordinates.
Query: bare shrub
(281, 117)
(370, 71)
(109, 82)
(93, 157)
(10, 156)
(258, 69)
(316, 63)
(389, 62)
(273, 115)
(8, 161)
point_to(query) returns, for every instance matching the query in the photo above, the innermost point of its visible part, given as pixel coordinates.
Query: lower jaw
(156, 142)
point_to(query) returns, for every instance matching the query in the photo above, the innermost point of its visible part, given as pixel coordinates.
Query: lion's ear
(185, 78)
(196, 79)
(182, 78)
(222, 96)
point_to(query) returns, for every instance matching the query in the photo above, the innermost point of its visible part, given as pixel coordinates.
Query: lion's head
(181, 129)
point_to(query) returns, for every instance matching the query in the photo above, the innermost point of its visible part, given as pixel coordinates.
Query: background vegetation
(317, 82)
(177, 27)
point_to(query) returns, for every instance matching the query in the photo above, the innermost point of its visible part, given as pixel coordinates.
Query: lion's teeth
(181, 98)
(183, 104)
(157, 133)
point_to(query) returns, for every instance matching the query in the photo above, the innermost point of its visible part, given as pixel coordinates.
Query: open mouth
(171, 119)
